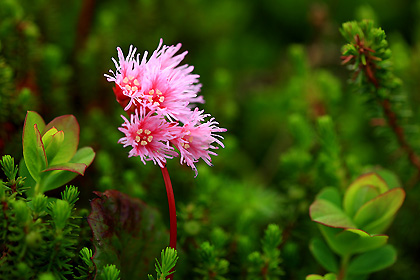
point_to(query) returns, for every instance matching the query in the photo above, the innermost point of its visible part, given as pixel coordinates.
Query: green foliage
(355, 224)
(266, 265)
(211, 265)
(37, 237)
(169, 258)
(50, 155)
(110, 272)
(86, 269)
(270, 75)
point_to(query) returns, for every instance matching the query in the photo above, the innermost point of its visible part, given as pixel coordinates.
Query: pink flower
(127, 77)
(195, 139)
(158, 83)
(149, 136)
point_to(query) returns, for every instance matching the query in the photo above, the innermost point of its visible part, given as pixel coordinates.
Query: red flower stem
(172, 210)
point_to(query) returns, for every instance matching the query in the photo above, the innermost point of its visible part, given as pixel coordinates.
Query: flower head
(148, 135)
(158, 93)
(196, 138)
(158, 83)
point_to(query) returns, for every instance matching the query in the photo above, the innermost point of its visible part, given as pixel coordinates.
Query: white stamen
(161, 99)
(140, 131)
(150, 138)
(127, 87)
(143, 143)
(158, 92)
(137, 138)
(186, 146)
(152, 91)
(136, 82)
(156, 103)
(147, 131)
(125, 80)
(134, 88)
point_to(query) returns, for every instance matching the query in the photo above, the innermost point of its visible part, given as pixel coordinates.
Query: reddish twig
(172, 211)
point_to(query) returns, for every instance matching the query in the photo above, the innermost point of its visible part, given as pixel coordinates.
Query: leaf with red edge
(328, 213)
(61, 176)
(351, 241)
(362, 190)
(78, 168)
(69, 125)
(127, 233)
(33, 149)
(377, 214)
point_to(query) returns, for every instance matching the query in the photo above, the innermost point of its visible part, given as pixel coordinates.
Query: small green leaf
(47, 136)
(376, 215)
(78, 168)
(331, 194)
(69, 125)
(362, 190)
(327, 213)
(351, 241)
(323, 255)
(60, 177)
(329, 276)
(374, 260)
(53, 147)
(30, 141)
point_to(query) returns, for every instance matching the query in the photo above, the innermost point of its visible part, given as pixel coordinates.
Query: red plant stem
(399, 132)
(172, 210)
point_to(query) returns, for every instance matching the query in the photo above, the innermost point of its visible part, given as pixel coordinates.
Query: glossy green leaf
(57, 178)
(331, 194)
(323, 255)
(362, 190)
(376, 215)
(351, 241)
(374, 260)
(329, 276)
(69, 125)
(127, 233)
(33, 149)
(389, 177)
(78, 168)
(29, 181)
(47, 136)
(327, 213)
(53, 147)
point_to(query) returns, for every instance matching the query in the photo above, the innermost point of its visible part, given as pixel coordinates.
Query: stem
(399, 132)
(172, 210)
(343, 269)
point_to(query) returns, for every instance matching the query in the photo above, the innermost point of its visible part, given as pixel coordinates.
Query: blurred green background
(269, 70)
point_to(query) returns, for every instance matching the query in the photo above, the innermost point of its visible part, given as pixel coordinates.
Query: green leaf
(323, 255)
(57, 178)
(376, 215)
(53, 147)
(29, 181)
(374, 260)
(329, 276)
(362, 190)
(327, 213)
(331, 194)
(33, 149)
(127, 232)
(78, 168)
(69, 125)
(351, 241)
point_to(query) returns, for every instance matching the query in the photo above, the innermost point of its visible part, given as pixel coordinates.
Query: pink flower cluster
(158, 94)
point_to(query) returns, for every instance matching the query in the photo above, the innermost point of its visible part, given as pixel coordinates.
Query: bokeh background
(269, 70)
